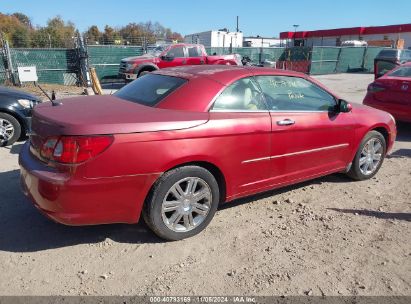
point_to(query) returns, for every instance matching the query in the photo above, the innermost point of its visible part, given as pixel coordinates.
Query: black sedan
(15, 114)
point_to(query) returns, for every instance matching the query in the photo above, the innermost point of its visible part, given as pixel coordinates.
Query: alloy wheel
(371, 156)
(6, 130)
(186, 204)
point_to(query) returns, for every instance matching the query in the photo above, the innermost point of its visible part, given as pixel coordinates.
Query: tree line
(18, 29)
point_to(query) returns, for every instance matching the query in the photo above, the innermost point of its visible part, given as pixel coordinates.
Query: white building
(335, 37)
(221, 38)
(263, 42)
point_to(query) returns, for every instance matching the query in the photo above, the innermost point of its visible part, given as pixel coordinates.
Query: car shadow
(403, 132)
(400, 153)
(376, 214)
(333, 178)
(24, 229)
(15, 148)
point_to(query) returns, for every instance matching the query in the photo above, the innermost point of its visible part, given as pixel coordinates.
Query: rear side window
(401, 72)
(194, 51)
(242, 95)
(285, 93)
(150, 89)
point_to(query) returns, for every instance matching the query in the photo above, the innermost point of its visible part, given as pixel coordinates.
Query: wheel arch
(21, 120)
(212, 168)
(146, 67)
(384, 131)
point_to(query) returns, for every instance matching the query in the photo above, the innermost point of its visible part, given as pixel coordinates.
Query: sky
(257, 17)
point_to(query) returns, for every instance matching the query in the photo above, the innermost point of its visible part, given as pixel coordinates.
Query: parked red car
(392, 93)
(175, 143)
(172, 55)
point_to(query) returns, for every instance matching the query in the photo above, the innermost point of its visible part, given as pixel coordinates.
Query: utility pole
(237, 28)
(295, 31)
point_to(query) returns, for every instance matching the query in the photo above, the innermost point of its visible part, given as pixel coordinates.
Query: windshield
(156, 51)
(401, 72)
(150, 89)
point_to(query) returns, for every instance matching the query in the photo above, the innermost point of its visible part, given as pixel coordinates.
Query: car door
(241, 124)
(194, 55)
(308, 138)
(175, 56)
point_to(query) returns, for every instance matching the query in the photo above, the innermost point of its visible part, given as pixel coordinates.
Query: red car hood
(140, 59)
(108, 115)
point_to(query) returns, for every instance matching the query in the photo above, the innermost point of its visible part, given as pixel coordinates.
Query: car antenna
(52, 98)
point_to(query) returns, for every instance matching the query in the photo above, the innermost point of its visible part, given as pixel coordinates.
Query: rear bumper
(82, 201)
(400, 114)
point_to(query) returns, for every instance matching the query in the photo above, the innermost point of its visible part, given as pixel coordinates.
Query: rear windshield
(150, 89)
(401, 72)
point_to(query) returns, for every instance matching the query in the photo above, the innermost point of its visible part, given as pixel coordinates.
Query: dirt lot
(330, 236)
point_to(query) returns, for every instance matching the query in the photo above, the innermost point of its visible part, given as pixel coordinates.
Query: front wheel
(10, 129)
(182, 203)
(369, 157)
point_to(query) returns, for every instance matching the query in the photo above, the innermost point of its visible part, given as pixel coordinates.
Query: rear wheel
(10, 129)
(369, 157)
(182, 203)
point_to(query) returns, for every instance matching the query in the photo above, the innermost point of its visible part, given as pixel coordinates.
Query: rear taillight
(374, 88)
(74, 149)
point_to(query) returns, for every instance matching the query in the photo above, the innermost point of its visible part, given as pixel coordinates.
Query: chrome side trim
(310, 151)
(255, 160)
(237, 111)
(295, 153)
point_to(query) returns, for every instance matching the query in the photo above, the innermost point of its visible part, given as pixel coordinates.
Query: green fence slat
(106, 59)
(369, 57)
(351, 59)
(324, 60)
(60, 66)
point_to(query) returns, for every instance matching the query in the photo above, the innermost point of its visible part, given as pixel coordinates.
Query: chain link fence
(59, 66)
(63, 65)
(2, 67)
(328, 60)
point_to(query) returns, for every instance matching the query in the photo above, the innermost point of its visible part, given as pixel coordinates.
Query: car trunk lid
(394, 90)
(100, 115)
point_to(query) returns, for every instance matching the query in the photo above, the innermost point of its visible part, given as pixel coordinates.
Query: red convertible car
(392, 93)
(175, 143)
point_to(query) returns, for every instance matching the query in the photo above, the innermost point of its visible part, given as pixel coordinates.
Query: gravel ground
(330, 236)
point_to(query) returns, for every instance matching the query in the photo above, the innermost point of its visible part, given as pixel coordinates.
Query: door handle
(285, 122)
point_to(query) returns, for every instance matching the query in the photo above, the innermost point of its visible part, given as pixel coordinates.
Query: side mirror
(167, 58)
(343, 106)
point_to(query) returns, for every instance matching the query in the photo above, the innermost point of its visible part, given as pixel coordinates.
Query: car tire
(181, 203)
(10, 129)
(369, 157)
